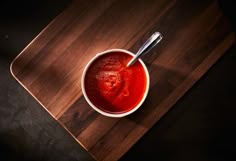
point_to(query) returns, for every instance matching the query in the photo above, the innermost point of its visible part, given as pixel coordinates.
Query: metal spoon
(146, 47)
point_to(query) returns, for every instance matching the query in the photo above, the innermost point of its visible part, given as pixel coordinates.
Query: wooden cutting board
(196, 35)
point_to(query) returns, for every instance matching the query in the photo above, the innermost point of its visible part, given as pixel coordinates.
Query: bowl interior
(96, 101)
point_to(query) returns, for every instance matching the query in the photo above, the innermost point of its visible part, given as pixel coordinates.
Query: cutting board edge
(15, 77)
(31, 42)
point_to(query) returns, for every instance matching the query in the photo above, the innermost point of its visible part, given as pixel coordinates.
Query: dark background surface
(201, 126)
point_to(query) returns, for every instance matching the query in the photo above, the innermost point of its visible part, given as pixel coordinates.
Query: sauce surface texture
(113, 87)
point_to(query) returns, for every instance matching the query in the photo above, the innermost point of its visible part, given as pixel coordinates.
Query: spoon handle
(146, 47)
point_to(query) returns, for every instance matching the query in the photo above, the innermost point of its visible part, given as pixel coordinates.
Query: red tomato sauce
(113, 87)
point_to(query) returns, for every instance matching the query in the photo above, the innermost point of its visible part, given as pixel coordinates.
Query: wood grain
(196, 35)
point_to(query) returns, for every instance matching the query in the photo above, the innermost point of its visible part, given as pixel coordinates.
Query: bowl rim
(98, 109)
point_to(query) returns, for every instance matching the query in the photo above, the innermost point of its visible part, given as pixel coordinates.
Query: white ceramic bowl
(98, 109)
